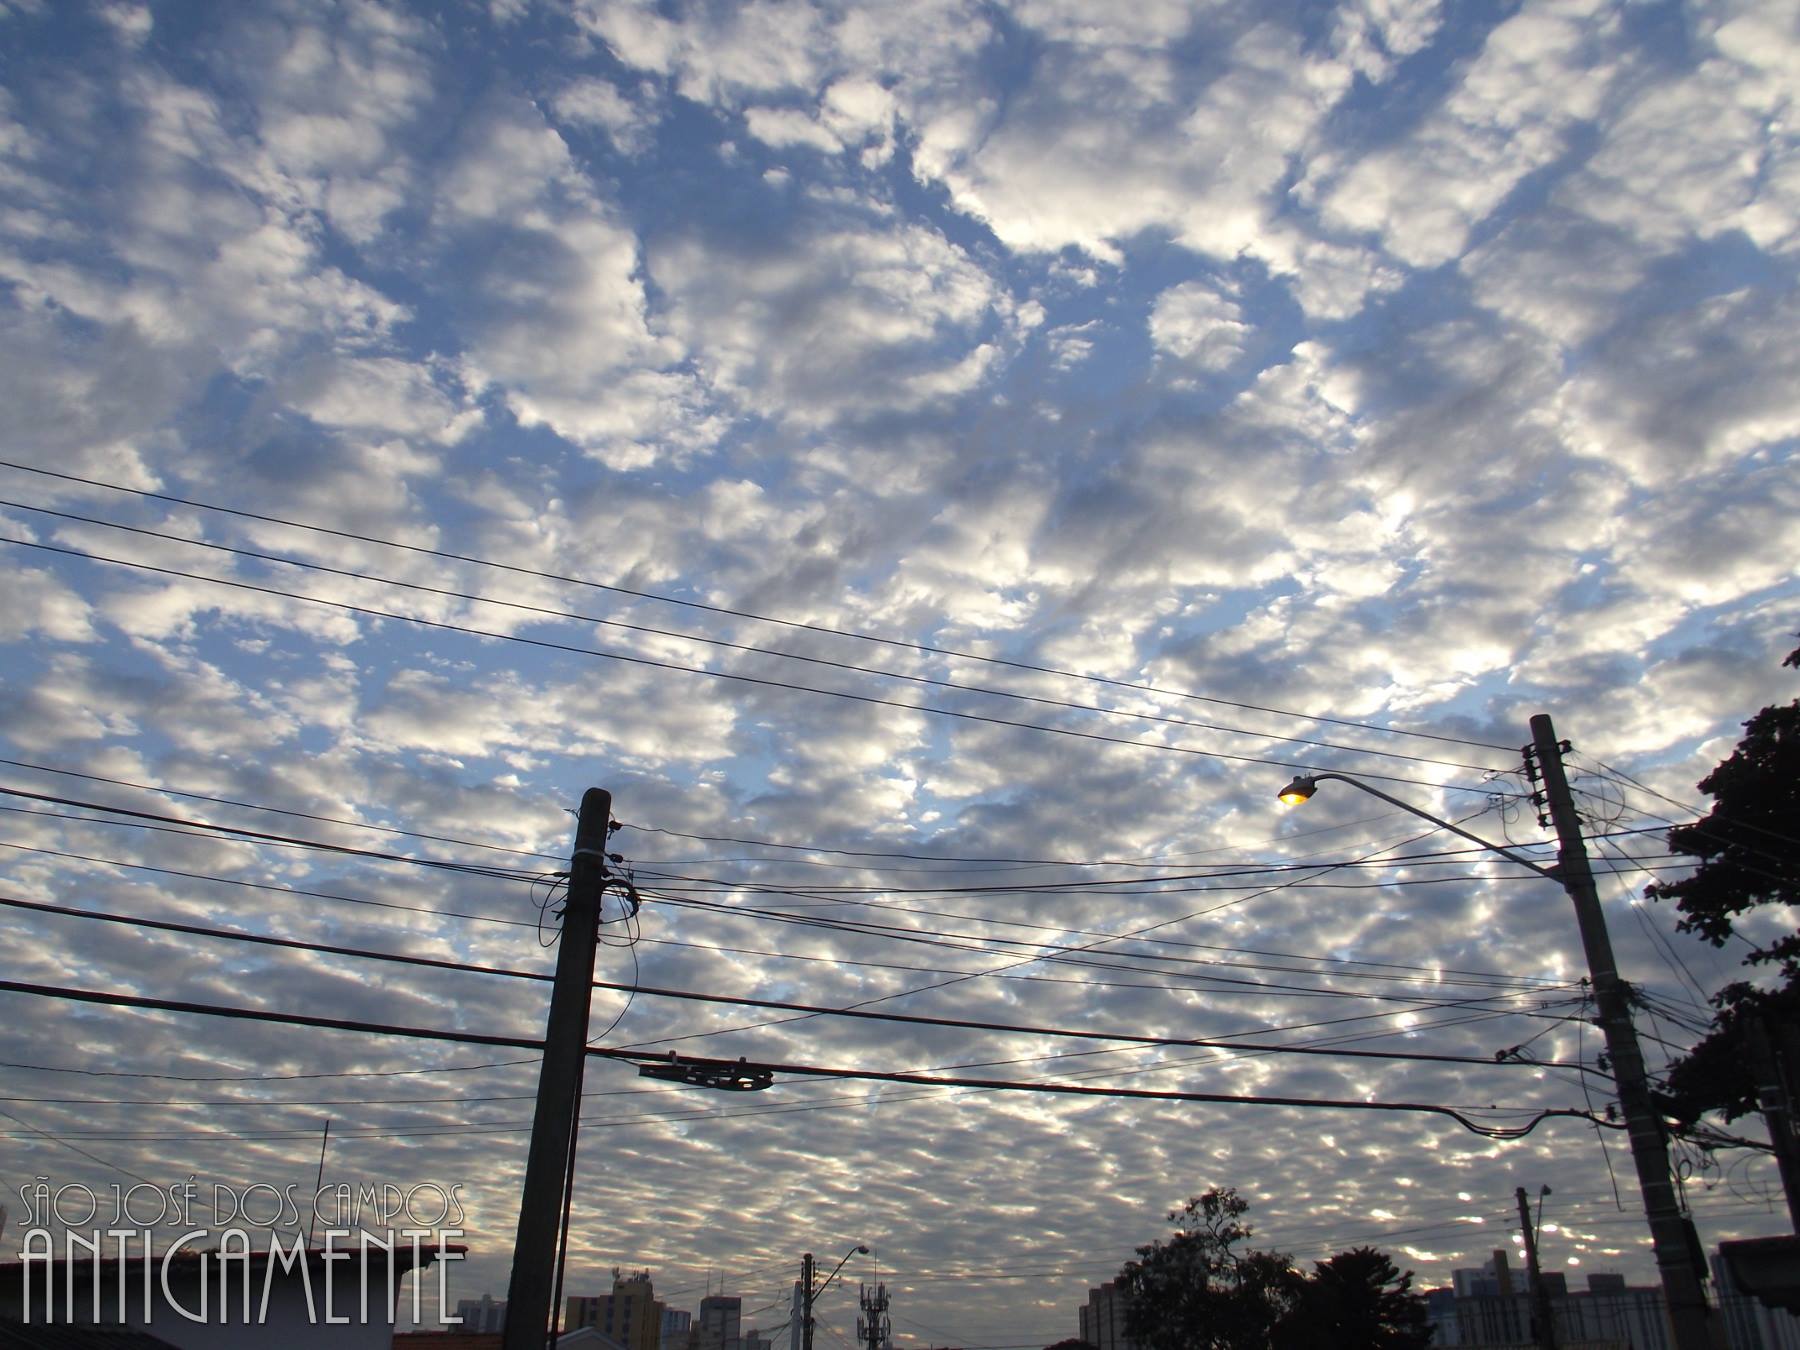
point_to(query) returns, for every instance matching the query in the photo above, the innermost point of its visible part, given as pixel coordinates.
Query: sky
(942, 467)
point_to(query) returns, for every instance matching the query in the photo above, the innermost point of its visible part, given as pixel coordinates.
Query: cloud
(377, 394)
(844, 317)
(1195, 323)
(41, 604)
(782, 127)
(1394, 363)
(1108, 139)
(596, 102)
(1722, 393)
(554, 303)
(1540, 74)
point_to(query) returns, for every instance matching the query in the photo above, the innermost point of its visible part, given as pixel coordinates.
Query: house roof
(587, 1338)
(18, 1336)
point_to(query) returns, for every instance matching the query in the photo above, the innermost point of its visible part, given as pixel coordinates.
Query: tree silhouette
(1358, 1300)
(1207, 1289)
(1748, 847)
(1746, 844)
(1203, 1289)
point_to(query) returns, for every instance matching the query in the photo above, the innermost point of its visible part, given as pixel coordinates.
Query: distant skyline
(943, 467)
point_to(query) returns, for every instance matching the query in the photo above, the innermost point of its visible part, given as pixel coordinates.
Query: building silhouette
(629, 1315)
(1103, 1319)
(484, 1314)
(719, 1324)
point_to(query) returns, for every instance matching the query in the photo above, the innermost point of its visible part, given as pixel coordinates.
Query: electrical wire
(279, 840)
(920, 936)
(738, 677)
(1684, 806)
(544, 611)
(112, 999)
(725, 611)
(634, 989)
(260, 885)
(189, 795)
(1145, 861)
(1063, 955)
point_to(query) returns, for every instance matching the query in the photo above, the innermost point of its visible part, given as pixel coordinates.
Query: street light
(1670, 1233)
(1303, 787)
(808, 1293)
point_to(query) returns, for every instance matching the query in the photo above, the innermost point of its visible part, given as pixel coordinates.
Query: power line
(1139, 1094)
(281, 840)
(865, 927)
(1620, 774)
(258, 885)
(1147, 861)
(694, 996)
(108, 998)
(1026, 960)
(929, 937)
(726, 611)
(924, 937)
(276, 810)
(189, 794)
(1064, 953)
(545, 611)
(738, 677)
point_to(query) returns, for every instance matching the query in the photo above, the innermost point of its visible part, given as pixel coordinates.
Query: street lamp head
(1299, 790)
(864, 1250)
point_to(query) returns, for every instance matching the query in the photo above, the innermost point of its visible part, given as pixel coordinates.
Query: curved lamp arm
(859, 1248)
(1305, 785)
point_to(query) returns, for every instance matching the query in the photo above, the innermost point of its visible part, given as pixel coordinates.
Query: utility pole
(806, 1301)
(1774, 1094)
(1544, 1323)
(565, 1047)
(1690, 1318)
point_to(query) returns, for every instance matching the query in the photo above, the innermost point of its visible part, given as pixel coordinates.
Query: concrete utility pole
(1689, 1316)
(806, 1301)
(565, 1048)
(1774, 1094)
(808, 1293)
(1544, 1323)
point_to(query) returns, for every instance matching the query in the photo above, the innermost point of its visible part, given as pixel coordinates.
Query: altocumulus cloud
(1408, 365)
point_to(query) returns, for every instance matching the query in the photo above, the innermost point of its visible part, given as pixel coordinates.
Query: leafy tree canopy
(1207, 1289)
(1747, 844)
(1748, 851)
(1358, 1300)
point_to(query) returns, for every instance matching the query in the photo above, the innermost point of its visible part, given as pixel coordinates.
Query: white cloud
(595, 102)
(1101, 146)
(842, 318)
(1374, 34)
(1196, 323)
(380, 394)
(37, 603)
(1689, 391)
(1540, 74)
(132, 22)
(730, 52)
(555, 301)
(781, 127)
